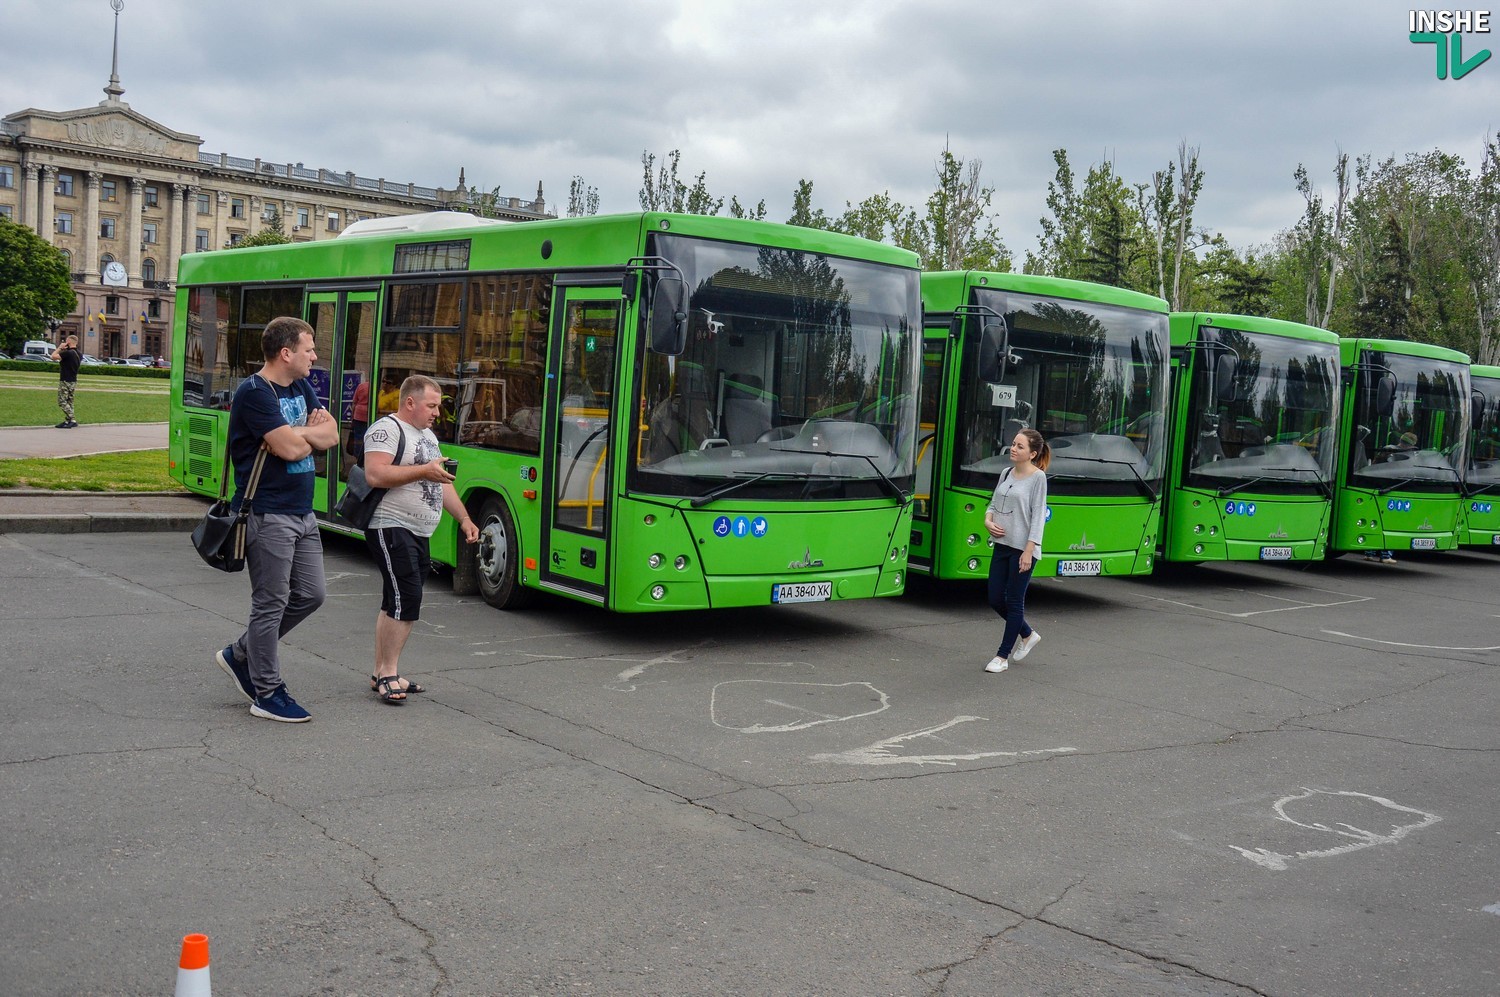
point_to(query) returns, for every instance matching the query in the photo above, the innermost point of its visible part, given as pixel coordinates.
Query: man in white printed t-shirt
(420, 490)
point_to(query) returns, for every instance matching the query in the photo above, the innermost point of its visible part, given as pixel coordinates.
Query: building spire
(114, 90)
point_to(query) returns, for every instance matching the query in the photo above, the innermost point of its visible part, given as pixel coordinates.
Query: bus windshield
(1419, 440)
(1273, 425)
(1090, 377)
(798, 379)
(1484, 455)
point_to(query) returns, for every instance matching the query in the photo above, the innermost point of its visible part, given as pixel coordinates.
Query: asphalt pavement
(1244, 779)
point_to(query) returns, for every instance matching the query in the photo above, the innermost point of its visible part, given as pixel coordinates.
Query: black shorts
(404, 565)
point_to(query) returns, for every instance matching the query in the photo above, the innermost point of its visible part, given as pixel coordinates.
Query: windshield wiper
(1406, 481)
(1238, 484)
(1144, 484)
(890, 485)
(727, 487)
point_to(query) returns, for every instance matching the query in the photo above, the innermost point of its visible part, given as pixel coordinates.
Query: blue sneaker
(236, 670)
(279, 706)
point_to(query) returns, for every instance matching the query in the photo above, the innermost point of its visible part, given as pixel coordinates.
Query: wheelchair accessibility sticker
(1239, 508)
(741, 526)
(1398, 505)
(1482, 507)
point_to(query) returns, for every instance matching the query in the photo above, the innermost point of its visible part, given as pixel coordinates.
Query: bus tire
(498, 558)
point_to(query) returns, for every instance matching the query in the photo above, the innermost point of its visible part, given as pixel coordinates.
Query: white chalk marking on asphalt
(1491, 909)
(880, 753)
(1297, 604)
(1361, 838)
(822, 718)
(1420, 647)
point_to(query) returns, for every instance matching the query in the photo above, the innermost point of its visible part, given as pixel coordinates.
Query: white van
(38, 348)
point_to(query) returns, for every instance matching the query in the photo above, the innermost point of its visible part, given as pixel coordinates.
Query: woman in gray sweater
(1015, 517)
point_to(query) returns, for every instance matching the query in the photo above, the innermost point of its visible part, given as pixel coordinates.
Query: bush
(108, 369)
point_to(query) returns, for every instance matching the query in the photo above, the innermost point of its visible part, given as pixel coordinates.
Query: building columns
(133, 229)
(31, 195)
(91, 225)
(45, 224)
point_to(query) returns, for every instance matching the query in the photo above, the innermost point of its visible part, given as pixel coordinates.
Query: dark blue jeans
(1008, 595)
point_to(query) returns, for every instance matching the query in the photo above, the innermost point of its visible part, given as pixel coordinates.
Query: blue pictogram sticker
(758, 526)
(1398, 505)
(741, 527)
(721, 526)
(1482, 507)
(1049, 515)
(1239, 508)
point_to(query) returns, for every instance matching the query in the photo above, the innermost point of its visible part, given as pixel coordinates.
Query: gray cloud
(858, 97)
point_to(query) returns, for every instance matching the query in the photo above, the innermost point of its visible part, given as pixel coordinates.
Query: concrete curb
(99, 522)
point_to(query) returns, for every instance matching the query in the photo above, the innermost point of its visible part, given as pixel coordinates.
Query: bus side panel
(1480, 519)
(1121, 537)
(1246, 528)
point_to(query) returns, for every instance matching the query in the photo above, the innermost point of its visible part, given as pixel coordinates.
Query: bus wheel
(499, 558)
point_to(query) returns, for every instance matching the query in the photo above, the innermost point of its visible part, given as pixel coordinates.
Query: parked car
(89, 360)
(146, 359)
(32, 357)
(4, 355)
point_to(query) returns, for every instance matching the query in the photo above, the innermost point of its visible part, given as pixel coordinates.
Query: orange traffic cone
(192, 968)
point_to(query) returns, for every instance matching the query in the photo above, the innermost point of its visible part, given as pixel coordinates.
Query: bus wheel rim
(494, 551)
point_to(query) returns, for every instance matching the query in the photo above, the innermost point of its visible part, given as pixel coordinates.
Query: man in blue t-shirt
(277, 411)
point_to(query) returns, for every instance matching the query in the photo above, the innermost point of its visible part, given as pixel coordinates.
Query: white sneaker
(1024, 646)
(997, 664)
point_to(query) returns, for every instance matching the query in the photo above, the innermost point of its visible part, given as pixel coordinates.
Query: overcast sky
(857, 97)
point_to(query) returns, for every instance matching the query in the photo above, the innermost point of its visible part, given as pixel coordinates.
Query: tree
(34, 284)
(1061, 245)
(272, 234)
(962, 235)
(802, 209)
(1318, 241)
(662, 190)
(1386, 310)
(582, 199)
(738, 210)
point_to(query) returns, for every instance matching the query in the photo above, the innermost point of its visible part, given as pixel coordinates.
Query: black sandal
(410, 685)
(389, 690)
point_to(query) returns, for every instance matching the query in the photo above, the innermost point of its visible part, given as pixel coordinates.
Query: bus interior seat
(747, 410)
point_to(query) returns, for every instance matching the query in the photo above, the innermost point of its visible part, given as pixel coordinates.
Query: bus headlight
(973, 564)
(898, 579)
(1197, 548)
(1198, 528)
(894, 552)
(973, 539)
(654, 560)
(681, 563)
(658, 592)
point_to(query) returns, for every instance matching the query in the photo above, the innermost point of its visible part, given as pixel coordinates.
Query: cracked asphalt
(1247, 779)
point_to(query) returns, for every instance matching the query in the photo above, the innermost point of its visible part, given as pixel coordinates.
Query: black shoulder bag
(220, 537)
(357, 505)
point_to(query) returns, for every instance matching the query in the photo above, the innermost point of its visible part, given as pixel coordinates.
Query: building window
(7, 176)
(203, 204)
(64, 223)
(302, 217)
(236, 207)
(148, 270)
(68, 260)
(269, 213)
(6, 211)
(200, 241)
(235, 238)
(106, 228)
(106, 190)
(153, 308)
(148, 232)
(112, 304)
(153, 197)
(64, 185)
(333, 221)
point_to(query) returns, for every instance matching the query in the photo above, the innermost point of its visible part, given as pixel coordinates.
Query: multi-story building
(125, 197)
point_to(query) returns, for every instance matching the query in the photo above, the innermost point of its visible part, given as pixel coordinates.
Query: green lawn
(28, 399)
(131, 471)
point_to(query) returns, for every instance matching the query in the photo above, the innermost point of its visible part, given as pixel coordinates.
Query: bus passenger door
(925, 503)
(576, 457)
(344, 334)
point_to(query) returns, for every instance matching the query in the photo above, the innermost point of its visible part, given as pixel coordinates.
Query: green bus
(649, 411)
(1403, 434)
(1085, 365)
(1255, 406)
(1480, 509)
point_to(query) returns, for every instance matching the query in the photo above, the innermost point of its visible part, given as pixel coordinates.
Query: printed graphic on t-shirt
(294, 411)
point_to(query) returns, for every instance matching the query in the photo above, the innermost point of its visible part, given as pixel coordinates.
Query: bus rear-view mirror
(1385, 394)
(1225, 365)
(993, 346)
(668, 320)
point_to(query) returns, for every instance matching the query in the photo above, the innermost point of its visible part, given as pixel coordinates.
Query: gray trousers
(284, 555)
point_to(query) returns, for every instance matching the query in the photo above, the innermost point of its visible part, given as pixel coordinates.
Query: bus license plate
(1424, 543)
(1078, 569)
(787, 592)
(1276, 553)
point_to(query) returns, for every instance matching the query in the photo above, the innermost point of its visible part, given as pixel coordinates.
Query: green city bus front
(1480, 505)
(1254, 417)
(1082, 363)
(1403, 437)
